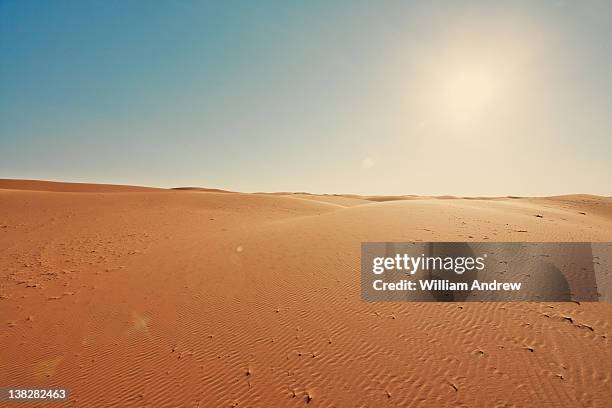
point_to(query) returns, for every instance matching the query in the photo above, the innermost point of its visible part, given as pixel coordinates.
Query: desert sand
(138, 297)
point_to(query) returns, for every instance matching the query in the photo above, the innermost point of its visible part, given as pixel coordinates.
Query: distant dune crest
(58, 186)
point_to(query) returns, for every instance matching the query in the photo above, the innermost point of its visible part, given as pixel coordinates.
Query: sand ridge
(42, 185)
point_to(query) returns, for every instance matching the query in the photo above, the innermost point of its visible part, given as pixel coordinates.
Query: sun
(467, 93)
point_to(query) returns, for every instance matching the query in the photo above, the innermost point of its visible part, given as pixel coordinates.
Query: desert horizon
(335, 204)
(80, 186)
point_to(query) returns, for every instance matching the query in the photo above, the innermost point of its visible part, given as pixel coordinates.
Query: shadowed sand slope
(178, 298)
(201, 189)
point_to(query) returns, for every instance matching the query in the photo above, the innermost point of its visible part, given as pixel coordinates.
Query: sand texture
(137, 297)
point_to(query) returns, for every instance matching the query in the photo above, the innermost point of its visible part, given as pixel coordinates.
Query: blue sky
(466, 98)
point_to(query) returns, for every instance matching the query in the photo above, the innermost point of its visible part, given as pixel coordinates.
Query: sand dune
(41, 185)
(179, 298)
(206, 190)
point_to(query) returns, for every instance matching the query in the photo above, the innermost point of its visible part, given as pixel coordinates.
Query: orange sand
(136, 297)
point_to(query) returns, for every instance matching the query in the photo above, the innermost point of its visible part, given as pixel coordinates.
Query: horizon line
(222, 190)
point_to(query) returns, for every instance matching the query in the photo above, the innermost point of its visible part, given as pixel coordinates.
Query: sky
(466, 98)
